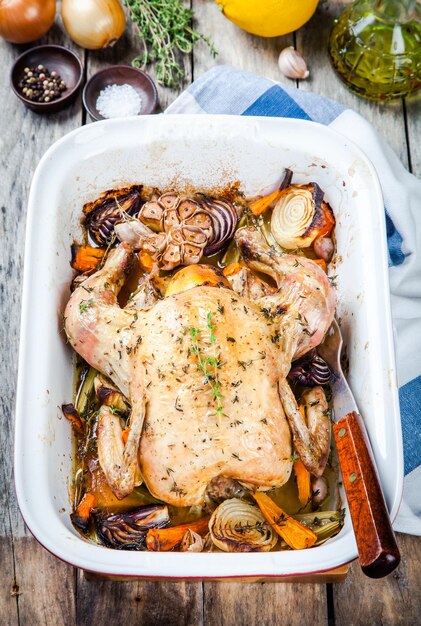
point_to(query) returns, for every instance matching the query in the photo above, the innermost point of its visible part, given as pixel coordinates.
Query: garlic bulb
(93, 24)
(292, 64)
(237, 526)
(300, 216)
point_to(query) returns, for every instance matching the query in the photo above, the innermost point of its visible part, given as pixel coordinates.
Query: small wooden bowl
(54, 58)
(141, 82)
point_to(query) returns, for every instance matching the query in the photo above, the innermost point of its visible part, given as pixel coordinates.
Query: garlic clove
(292, 64)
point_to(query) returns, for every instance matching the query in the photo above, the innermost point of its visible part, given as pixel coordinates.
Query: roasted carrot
(125, 435)
(257, 207)
(303, 482)
(329, 221)
(74, 418)
(231, 269)
(165, 539)
(81, 515)
(85, 258)
(145, 260)
(296, 535)
(322, 263)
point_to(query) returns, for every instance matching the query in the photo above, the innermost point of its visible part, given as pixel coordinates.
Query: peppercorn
(41, 85)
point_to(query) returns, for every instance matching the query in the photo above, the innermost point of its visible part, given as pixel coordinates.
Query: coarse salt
(118, 101)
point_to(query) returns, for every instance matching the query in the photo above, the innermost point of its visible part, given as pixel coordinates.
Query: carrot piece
(303, 482)
(231, 269)
(322, 263)
(85, 258)
(125, 435)
(165, 539)
(81, 515)
(329, 221)
(296, 535)
(257, 207)
(145, 260)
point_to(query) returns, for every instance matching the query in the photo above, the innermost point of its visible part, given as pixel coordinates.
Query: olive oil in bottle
(375, 47)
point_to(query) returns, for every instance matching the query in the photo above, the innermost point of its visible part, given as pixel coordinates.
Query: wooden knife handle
(377, 548)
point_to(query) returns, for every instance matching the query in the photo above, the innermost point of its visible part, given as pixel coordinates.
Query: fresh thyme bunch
(164, 27)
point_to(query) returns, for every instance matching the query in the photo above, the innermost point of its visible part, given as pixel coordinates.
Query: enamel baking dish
(199, 151)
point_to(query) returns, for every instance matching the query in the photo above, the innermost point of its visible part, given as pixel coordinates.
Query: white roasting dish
(203, 152)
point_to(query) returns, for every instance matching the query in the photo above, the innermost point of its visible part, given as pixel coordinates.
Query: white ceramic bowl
(202, 151)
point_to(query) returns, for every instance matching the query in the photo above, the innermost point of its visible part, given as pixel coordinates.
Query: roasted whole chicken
(205, 371)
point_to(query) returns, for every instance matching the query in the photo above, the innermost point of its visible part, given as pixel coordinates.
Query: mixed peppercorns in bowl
(47, 78)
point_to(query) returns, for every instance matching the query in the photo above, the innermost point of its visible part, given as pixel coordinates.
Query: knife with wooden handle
(377, 548)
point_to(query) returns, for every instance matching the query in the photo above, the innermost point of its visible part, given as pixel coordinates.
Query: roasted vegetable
(109, 395)
(324, 248)
(86, 258)
(224, 222)
(325, 524)
(82, 515)
(295, 535)
(70, 413)
(192, 542)
(310, 370)
(86, 390)
(127, 531)
(232, 269)
(169, 538)
(303, 482)
(319, 491)
(300, 216)
(238, 526)
(195, 275)
(111, 208)
(259, 206)
(178, 231)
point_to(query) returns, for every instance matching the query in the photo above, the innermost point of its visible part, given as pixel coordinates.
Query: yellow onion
(23, 21)
(300, 216)
(93, 24)
(237, 526)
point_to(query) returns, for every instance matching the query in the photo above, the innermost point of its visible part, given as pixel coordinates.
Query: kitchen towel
(226, 90)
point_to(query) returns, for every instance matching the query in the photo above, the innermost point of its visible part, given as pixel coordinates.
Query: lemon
(268, 18)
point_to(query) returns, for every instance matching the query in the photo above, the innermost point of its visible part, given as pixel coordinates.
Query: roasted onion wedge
(300, 216)
(237, 526)
(127, 531)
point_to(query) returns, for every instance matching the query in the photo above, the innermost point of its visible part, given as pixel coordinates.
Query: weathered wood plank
(390, 601)
(45, 586)
(147, 603)
(234, 46)
(243, 604)
(24, 138)
(311, 41)
(124, 51)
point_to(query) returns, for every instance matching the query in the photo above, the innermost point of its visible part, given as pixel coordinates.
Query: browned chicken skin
(205, 373)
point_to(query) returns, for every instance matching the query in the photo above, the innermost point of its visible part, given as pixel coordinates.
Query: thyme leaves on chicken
(208, 365)
(165, 29)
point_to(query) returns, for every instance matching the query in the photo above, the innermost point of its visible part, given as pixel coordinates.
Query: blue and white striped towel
(228, 90)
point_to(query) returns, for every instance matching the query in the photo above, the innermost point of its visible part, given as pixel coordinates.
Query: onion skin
(23, 21)
(93, 24)
(237, 526)
(300, 216)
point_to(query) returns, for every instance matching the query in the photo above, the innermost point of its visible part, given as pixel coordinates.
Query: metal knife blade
(342, 398)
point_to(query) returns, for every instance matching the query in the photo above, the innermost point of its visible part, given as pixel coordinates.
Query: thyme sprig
(208, 365)
(164, 28)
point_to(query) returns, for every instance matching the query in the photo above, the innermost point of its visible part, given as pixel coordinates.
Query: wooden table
(36, 588)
